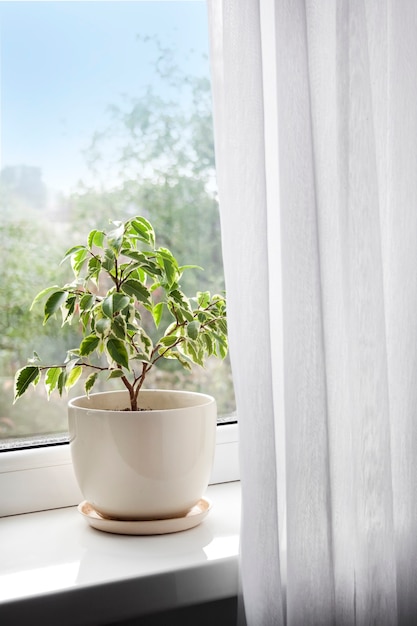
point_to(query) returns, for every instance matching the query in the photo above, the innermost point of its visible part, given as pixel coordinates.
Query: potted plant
(138, 454)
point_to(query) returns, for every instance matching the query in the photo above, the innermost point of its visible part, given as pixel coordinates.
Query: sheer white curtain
(316, 148)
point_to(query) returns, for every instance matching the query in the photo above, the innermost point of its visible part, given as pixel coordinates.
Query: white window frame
(43, 478)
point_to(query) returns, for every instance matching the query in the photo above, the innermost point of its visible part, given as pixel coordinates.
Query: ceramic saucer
(145, 527)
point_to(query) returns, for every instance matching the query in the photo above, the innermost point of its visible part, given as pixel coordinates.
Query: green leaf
(95, 238)
(73, 376)
(23, 378)
(89, 344)
(115, 374)
(171, 354)
(61, 381)
(94, 267)
(115, 237)
(114, 303)
(157, 313)
(42, 294)
(208, 343)
(51, 379)
(68, 309)
(103, 326)
(192, 329)
(187, 314)
(130, 313)
(169, 340)
(85, 318)
(132, 270)
(137, 290)
(168, 262)
(119, 327)
(144, 229)
(90, 382)
(222, 326)
(152, 269)
(78, 259)
(203, 298)
(134, 254)
(72, 251)
(117, 351)
(144, 342)
(54, 303)
(108, 262)
(203, 316)
(179, 297)
(222, 350)
(222, 346)
(191, 351)
(86, 302)
(190, 267)
(181, 305)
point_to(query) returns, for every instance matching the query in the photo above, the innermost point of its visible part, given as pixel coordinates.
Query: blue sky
(63, 63)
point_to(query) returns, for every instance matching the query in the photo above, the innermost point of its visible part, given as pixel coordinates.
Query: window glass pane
(105, 114)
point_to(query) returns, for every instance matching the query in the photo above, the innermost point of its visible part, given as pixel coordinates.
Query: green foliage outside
(162, 167)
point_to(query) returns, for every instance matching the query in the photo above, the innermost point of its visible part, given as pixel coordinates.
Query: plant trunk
(133, 402)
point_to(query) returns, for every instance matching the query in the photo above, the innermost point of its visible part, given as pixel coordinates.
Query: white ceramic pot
(148, 464)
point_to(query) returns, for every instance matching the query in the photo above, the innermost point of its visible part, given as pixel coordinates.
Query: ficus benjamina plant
(121, 277)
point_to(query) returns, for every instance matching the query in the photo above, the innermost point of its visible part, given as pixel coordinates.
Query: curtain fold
(238, 59)
(315, 110)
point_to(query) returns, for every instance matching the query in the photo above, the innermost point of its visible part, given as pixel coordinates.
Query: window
(105, 114)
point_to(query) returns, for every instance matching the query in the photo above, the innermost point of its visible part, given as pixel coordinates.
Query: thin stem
(139, 382)
(116, 272)
(132, 395)
(42, 368)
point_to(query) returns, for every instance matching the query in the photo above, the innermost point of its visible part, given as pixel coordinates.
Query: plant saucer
(146, 527)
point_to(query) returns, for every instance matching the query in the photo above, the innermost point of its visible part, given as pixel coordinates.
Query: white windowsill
(54, 564)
